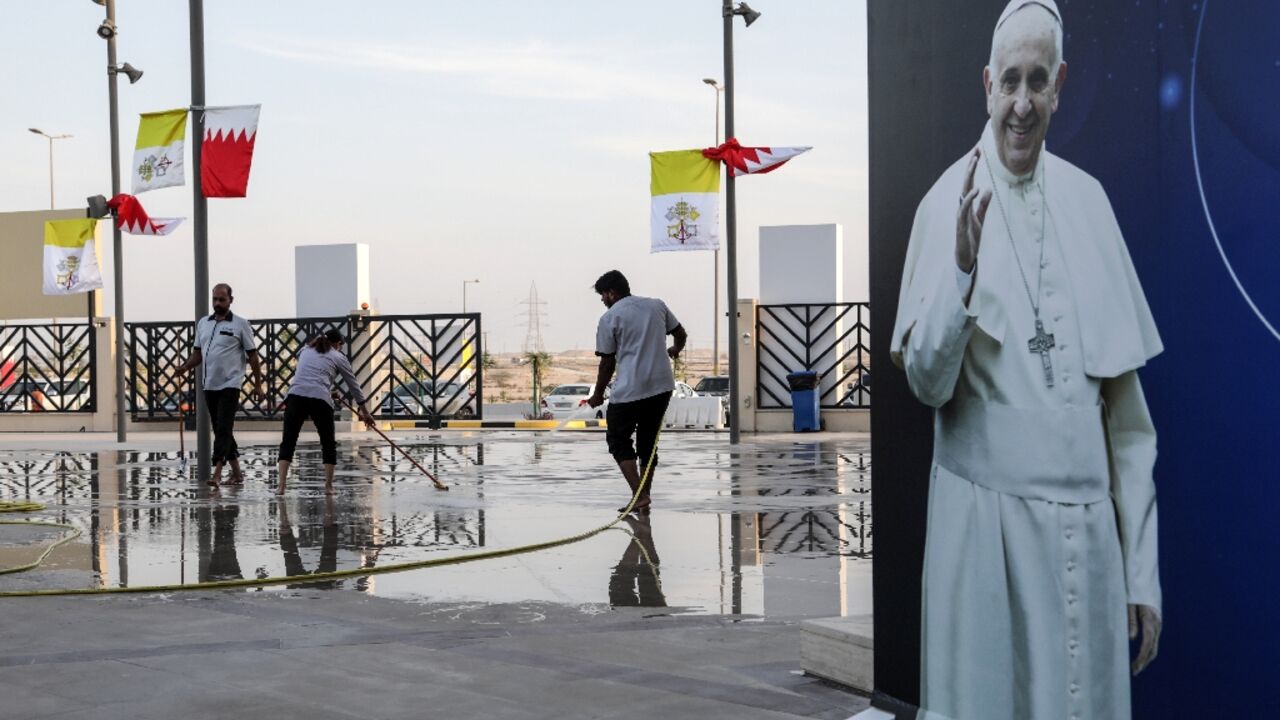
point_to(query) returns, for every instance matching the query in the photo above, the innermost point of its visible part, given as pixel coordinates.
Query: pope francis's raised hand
(1149, 620)
(970, 216)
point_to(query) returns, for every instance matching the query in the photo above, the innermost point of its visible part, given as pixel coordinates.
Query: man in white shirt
(631, 338)
(223, 342)
(1022, 322)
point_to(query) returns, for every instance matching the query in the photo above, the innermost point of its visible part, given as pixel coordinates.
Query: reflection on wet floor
(781, 529)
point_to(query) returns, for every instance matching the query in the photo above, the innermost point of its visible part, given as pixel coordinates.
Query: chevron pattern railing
(48, 367)
(416, 367)
(832, 339)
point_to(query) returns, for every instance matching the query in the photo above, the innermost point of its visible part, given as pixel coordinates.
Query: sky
(501, 141)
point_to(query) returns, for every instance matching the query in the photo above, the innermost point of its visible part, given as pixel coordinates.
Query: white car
(683, 391)
(417, 398)
(571, 399)
(31, 396)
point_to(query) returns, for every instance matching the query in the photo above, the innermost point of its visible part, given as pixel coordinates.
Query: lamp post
(715, 305)
(107, 31)
(50, 138)
(465, 283)
(727, 11)
(199, 224)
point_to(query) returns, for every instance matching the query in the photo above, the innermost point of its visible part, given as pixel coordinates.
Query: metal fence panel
(832, 339)
(48, 367)
(414, 367)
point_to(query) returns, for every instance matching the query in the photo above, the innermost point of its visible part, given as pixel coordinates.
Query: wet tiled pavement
(741, 543)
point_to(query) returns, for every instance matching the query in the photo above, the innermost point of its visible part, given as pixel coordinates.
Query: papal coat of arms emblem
(683, 217)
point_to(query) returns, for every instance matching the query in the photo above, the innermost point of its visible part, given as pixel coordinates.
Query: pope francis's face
(1022, 89)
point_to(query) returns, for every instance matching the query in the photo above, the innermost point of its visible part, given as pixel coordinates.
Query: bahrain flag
(133, 219)
(227, 149)
(752, 160)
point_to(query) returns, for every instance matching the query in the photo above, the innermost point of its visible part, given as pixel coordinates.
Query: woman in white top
(311, 396)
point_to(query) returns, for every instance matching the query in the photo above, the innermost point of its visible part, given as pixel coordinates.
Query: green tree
(679, 368)
(538, 362)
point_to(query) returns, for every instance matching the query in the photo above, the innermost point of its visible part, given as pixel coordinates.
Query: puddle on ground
(778, 529)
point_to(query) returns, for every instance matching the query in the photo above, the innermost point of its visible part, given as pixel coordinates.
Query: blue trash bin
(805, 413)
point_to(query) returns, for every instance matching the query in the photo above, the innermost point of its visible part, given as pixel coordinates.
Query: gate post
(744, 407)
(363, 359)
(104, 376)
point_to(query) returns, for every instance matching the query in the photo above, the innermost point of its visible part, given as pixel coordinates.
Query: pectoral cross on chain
(1042, 343)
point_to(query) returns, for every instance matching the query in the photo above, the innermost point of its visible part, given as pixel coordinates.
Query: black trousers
(223, 406)
(297, 410)
(643, 418)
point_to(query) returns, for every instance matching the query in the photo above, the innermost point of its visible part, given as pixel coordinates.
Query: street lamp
(108, 31)
(715, 294)
(50, 138)
(727, 11)
(465, 283)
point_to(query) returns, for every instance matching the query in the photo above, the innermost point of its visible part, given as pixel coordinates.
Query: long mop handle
(439, 485)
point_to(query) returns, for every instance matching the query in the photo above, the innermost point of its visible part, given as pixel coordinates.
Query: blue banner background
(1175, 108)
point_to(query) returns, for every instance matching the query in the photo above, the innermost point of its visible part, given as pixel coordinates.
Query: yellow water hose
(334, 574)
(15, 506)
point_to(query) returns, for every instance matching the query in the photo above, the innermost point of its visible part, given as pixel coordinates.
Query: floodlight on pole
(50, 138)
(747, 13)
(98, 207)
(134, 73)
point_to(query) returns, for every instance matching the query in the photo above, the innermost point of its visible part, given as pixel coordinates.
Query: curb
(499, 424)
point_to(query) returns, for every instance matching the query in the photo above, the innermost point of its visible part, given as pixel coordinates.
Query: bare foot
(328, 489)
(641, 506)
(280, 490)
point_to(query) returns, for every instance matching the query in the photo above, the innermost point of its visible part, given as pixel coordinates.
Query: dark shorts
(297, 410)
(642, 418)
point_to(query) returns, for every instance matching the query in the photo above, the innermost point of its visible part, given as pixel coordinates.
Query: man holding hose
(631, 339)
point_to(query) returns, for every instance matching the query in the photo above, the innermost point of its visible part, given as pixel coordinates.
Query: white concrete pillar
(744, 406)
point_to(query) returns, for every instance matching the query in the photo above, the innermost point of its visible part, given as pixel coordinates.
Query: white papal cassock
(1042, 509)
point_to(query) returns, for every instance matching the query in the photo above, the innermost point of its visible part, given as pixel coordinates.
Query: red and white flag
(131, 218)
(751, 160)
(227, 149)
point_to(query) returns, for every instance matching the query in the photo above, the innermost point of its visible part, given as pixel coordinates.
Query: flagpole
(116, 245)
(731, 232)
(200, 224)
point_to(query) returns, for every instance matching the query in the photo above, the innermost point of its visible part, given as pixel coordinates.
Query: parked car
(852, 390)
(30, 396)
(75, 394)
(683, 391)
(570, 398)
(717, 385)
(418, 397)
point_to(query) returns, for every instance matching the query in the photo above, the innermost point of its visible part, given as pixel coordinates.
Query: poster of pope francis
(1022, 322)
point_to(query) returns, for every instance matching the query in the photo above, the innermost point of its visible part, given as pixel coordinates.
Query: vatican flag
(70, 257)
(157, 157)
(685, 189)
